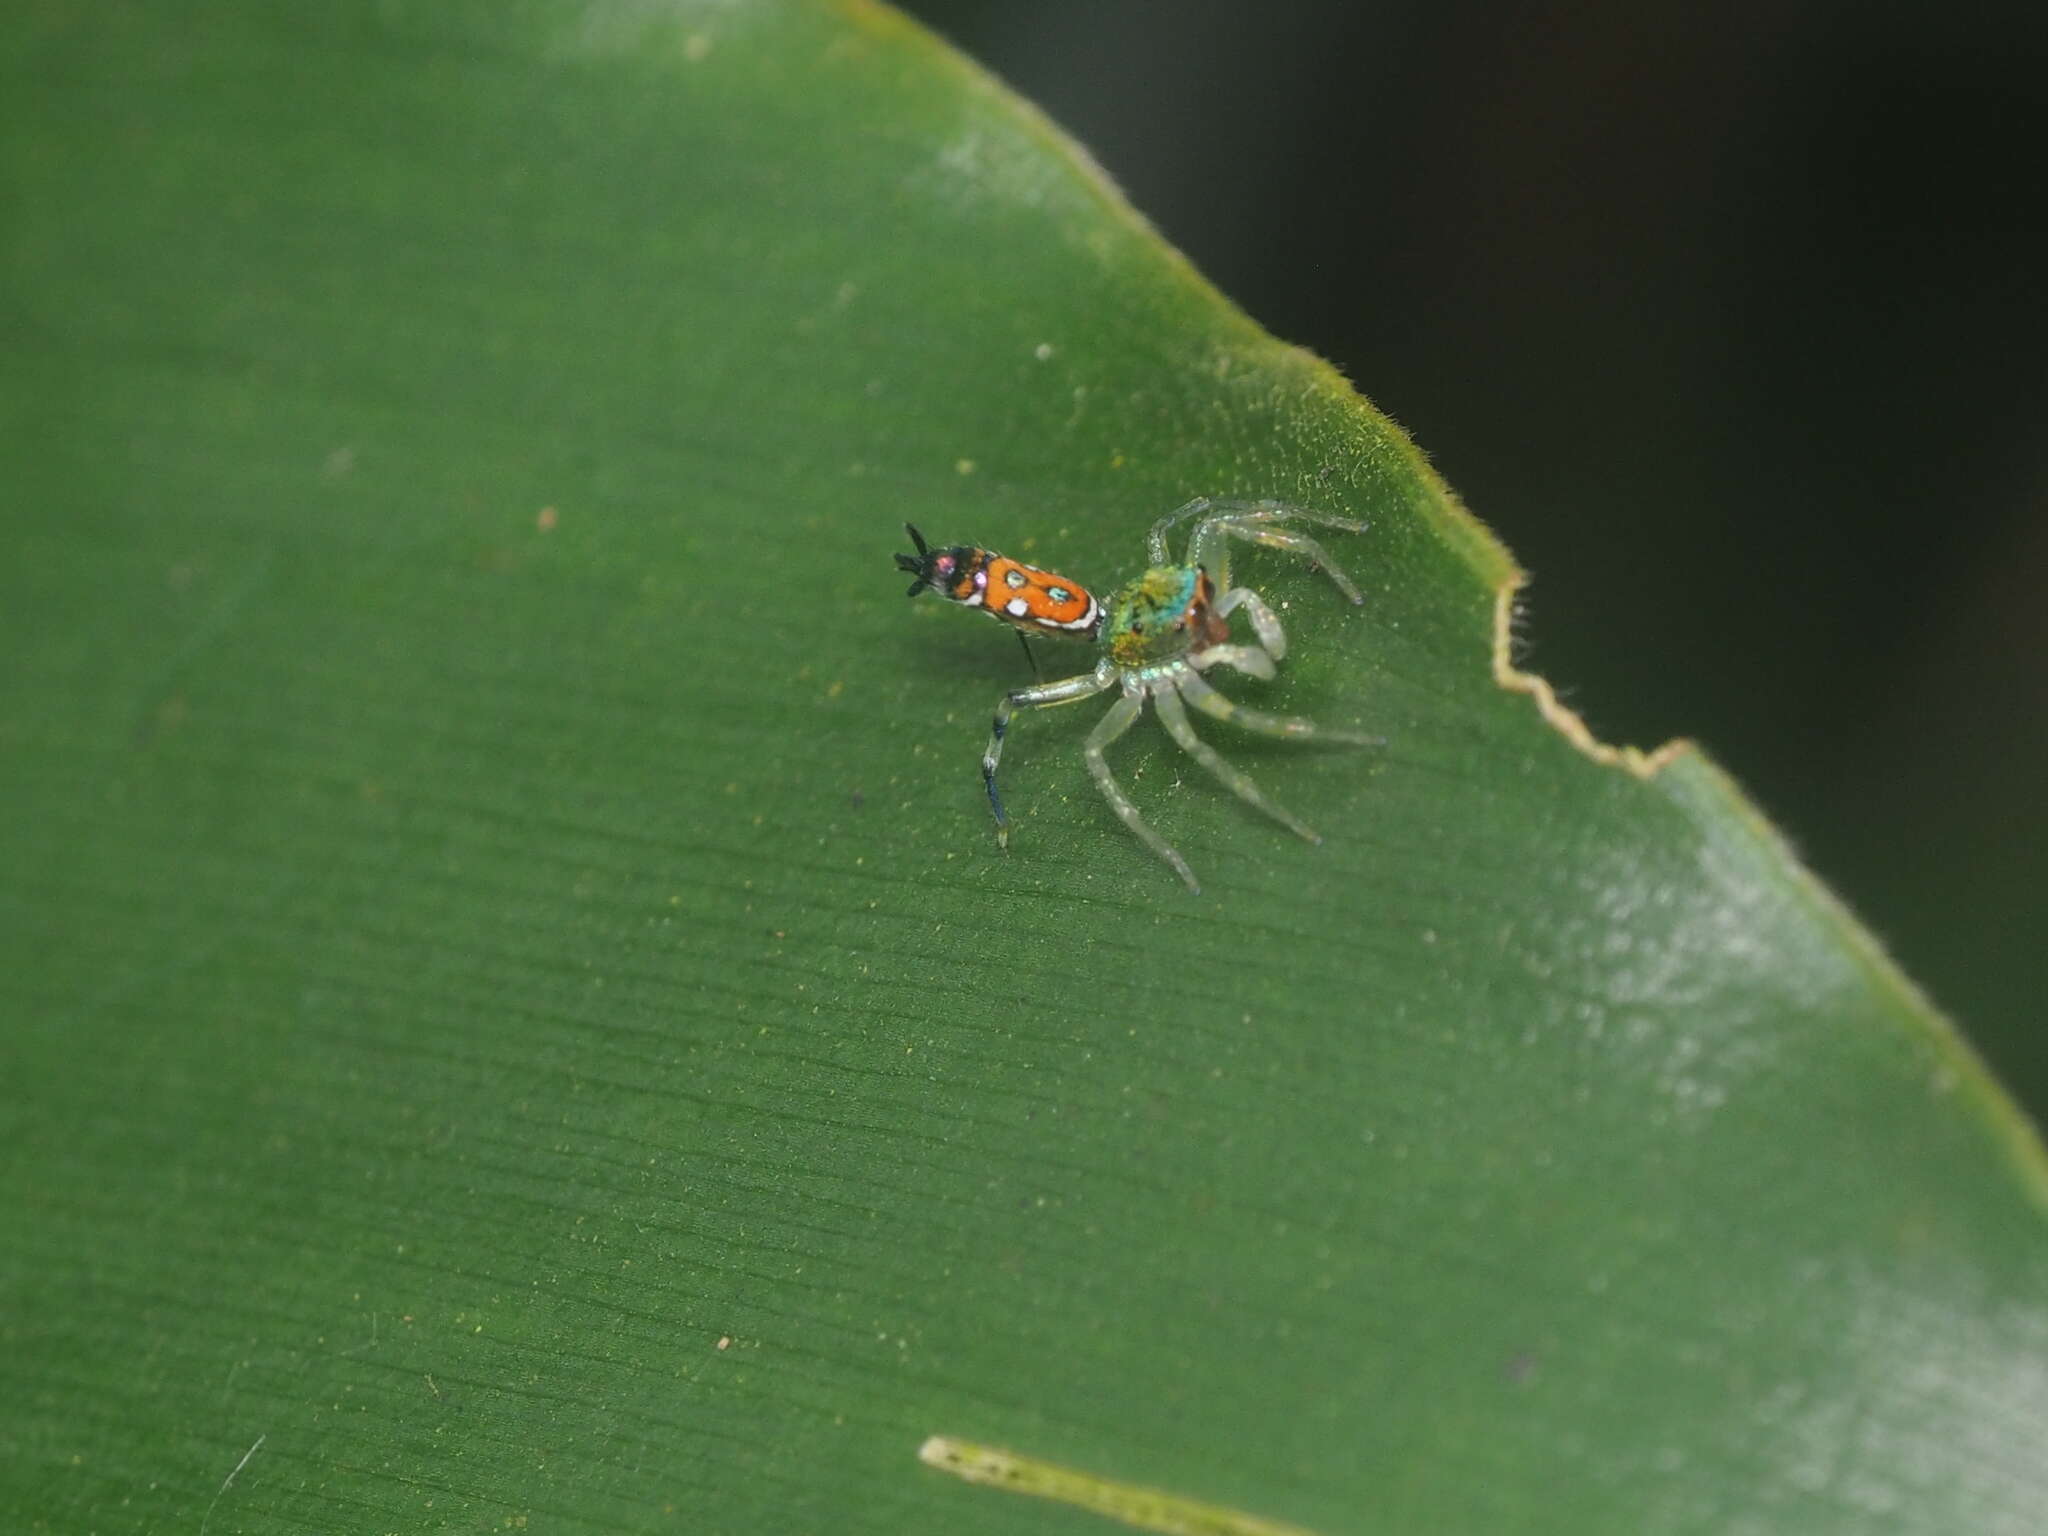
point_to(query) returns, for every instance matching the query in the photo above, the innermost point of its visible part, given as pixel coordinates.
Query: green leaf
(515, 1017)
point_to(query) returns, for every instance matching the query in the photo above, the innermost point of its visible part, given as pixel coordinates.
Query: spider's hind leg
(1175, 718)
(1287, 727)
(1112, 725)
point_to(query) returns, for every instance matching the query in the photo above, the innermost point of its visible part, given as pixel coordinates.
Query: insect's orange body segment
(1018, 594)
(1036, 599)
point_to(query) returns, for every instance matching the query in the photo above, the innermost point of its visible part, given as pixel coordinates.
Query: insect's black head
(932, 567)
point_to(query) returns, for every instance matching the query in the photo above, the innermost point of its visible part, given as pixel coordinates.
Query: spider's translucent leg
(1248, 659)
(1065, 691)
(1155, 541)
(1265, 622)
(1291, 727)
(1107, 729)
(1271, 511)
(1210, 546)
(1175, 719)
(1266, 511)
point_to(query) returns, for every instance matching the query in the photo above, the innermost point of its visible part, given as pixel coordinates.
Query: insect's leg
(1248, 659)
(1025, 641)
(1289, 727)
(1265, 622)
(1064, 691)
(1107, 729)
(1175, 719)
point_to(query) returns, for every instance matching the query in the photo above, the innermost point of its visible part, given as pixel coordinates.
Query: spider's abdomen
(1165, 613)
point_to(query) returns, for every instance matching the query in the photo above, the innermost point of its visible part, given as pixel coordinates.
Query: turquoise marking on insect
(1159, 633)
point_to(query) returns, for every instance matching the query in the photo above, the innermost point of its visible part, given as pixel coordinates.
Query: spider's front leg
(1265, 622)
(1253, 521)
(1065, 691)
(1251, 660)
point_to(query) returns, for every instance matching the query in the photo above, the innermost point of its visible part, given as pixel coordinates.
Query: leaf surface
(515, 1014)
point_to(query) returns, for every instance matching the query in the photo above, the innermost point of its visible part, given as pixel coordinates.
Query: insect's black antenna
(918, 564)
(1025, 641)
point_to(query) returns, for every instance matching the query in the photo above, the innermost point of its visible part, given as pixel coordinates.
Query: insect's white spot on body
(1017, 606)
(1014, 577)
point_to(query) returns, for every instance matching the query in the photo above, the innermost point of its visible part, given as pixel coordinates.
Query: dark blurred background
(1731, 320)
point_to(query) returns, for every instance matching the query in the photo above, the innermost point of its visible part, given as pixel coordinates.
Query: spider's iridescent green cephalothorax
(1159, 634)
